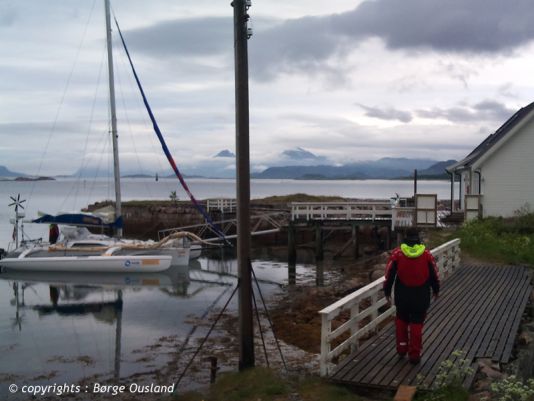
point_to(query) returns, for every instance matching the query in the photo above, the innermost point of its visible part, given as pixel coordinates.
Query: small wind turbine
(17, 202)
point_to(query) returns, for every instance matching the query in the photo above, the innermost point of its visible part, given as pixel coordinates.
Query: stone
(490, 370)
(525, 338)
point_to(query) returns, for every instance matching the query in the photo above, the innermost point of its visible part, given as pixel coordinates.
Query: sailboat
(82, 251)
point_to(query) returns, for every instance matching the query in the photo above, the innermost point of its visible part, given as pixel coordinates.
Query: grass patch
(317, 390)
(438, 236)
(500, 240)
(492, 239)
(266, 385)
(451, 393)
(250, 385)
(299, 198)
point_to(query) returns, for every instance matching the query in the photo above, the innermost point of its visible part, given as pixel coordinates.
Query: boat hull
(119, 263)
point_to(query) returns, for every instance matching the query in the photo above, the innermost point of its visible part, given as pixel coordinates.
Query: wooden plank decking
(479, 312)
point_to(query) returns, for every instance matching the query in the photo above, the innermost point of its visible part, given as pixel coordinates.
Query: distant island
(28, 179)
(34, 179)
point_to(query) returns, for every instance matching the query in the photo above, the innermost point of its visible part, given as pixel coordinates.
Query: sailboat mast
(114, 134)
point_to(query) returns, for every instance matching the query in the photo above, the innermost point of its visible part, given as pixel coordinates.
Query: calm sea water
(71, 195)
(64, 328)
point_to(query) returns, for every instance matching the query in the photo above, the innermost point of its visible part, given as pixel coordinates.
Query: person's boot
(401, 328)
(416, 342)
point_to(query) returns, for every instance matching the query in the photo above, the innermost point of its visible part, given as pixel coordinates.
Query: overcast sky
(347, 80)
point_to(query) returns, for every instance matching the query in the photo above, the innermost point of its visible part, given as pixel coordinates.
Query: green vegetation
(492, 239)
(500, 240)
(266, 385)
(174, 197)
(300, 198)
(513, 389)
(448, 385)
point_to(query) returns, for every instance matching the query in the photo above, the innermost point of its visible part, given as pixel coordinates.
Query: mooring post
(319, 252)
(355, 240)
(291, 254)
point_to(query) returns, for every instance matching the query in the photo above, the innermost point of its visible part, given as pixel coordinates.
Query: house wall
(508, 175)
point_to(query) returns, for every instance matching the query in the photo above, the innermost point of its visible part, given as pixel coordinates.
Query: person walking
(413, 271)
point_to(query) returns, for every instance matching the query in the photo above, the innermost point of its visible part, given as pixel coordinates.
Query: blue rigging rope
(199, 207)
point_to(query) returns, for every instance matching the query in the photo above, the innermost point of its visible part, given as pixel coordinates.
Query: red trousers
(409, 338)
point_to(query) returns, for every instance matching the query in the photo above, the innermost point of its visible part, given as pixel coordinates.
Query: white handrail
(447, 259)
(357, 210)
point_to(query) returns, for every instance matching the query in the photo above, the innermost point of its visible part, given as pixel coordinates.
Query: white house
(497, 177)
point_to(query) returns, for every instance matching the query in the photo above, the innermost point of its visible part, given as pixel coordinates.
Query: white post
(326, 328)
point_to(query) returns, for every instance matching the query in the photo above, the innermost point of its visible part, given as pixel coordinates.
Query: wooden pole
(356, 240)
(291, 254)
(246, 317)
(319, 274)
(319, 252)
(415, 182)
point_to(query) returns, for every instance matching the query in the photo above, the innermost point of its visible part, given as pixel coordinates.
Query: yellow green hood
(412, 251)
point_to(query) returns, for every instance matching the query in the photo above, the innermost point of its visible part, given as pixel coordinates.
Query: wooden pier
(478, 312)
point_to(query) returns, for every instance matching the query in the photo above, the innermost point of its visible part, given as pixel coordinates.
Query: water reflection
(61, 326)
(67, 327)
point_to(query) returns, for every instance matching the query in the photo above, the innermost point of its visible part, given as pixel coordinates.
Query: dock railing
(360, 210)
(363, 308)
(222, 204)
(369, 210)
(402, 217)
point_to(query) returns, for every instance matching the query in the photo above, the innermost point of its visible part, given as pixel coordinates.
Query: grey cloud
(487, 110)
(8, 15)
(308, 44)
(184, 37)
(452, 25)
(387, 113)
(507, 90)
(303, 44)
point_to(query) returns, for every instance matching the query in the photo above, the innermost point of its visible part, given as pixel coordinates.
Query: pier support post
(291, 254)
(319, 251)
(356, 240)
(319, 274)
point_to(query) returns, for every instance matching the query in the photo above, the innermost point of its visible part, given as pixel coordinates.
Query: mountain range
(6, 173)
(296, 163)
(385, 168)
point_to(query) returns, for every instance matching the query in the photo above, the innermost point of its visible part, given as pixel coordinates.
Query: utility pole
(246, 328)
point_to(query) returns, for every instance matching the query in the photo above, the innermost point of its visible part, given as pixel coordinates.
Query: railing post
(326, 328)
(353, 313)
(374, 300)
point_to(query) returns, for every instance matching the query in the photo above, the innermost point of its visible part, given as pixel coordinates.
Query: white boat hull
(119, 263)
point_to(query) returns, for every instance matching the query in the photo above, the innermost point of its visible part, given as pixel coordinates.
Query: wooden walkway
(478, 312)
